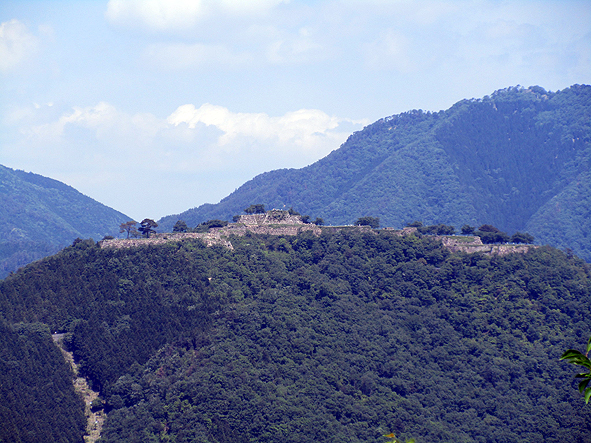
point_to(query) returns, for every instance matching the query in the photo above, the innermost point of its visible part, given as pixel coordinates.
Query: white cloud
(307, 130)
(172, 15)
(177, 56)
(17, 44)
(104, 124)
(102, 150)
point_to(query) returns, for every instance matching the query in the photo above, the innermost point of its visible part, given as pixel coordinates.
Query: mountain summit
(518, 159)
(39, 216)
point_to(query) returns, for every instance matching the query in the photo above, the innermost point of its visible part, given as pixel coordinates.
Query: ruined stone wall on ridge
(474, 244)
(278, 222)
(275, 217)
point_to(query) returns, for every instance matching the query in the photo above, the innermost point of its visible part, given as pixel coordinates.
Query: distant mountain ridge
(39, 216)
(519, 159)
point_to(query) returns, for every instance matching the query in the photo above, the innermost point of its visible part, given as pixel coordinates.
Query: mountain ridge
(40, 215)
(500, 160)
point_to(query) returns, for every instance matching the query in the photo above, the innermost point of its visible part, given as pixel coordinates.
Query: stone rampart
(474, 244)
(271, 223)
(282, 223)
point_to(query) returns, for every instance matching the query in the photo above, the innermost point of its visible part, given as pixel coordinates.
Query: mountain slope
(39, 216)
(501, 160)
(345, 336)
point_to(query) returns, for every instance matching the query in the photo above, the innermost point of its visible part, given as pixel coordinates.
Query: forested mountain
(39, 216)
(519, 159)
(345, 336)
(37, 398)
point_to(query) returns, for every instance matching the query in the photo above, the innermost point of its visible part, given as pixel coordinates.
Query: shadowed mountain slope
(39, 216)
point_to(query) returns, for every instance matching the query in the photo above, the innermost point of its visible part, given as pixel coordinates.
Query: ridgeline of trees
(347, 336)
(518, 159)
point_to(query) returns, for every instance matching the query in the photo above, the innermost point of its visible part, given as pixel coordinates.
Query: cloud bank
(172, 15)
(17, 44)
(103, 146)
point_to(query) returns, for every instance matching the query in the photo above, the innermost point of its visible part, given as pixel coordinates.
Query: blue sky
(156, 106)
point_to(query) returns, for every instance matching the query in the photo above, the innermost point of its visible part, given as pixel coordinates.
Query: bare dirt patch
(94, 420)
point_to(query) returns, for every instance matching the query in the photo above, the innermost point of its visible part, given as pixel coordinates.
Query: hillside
(518, 159)
(39, 216)
(317, 337)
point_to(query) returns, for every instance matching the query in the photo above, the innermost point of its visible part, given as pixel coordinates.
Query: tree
(372, 222)
(255, 209)
(439, 229)
(128, 227)
(180, 226)
(468, 230)
(204, 227)
(578, 358)
(490, 234)
(319, 221)
(522, 237)
(147, 227)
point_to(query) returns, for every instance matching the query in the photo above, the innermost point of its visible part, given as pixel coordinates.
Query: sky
(153, 107)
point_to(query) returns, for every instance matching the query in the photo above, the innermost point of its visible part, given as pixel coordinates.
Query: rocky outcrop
(474, 244)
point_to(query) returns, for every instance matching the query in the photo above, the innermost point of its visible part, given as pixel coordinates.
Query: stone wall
(474, 244)
(271, 223)
(274, 217)
(282, 223)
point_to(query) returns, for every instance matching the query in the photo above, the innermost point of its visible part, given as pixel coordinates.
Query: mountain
(39, 216)
(519, 159)
(343, 335)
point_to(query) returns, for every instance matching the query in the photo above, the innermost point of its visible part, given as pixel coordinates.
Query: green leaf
(571, 353)
(587, 395)
(584, 384)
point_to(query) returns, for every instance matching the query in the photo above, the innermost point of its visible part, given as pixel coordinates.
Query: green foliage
(38, 402)
(255, 209)
(519, 159)
(372, 222)
(468, 230)
(522, 237)
(129, 228)
(204, 227)
(439, 229)
(39, 216)
(180, 226)
(490, 234)
(578, 358)
(317, 339)
(393, 439)
(147, 227)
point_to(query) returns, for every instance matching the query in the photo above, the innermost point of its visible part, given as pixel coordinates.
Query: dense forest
(518, 159)
(37, 399)
(345, 336)
(39, 216)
